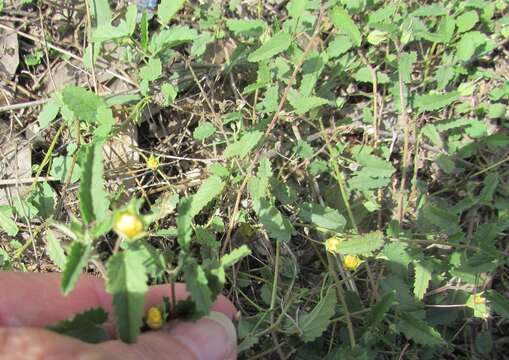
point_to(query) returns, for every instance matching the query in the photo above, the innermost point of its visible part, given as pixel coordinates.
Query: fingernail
(213, 337)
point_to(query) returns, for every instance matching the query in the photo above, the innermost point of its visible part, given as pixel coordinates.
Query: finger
(211, 338)
(34, 299)
(20, 343)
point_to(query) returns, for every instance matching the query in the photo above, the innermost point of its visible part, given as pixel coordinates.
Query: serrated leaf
(100, 12)
(94, 202)
(127, 283)
(48, 113)
(446, 28)
(343, 22)
(243, 146)
(169, 92)
(296, 8)
(207, 192)
(152, 70)
(365, 75)
(431, 102)
(405, 65)
(82, 103)
(6, 222)
(498, 303)
(200, 44)
(322, 216)
(167, 39)
(197, 285)
(275, 45)
(204, 131)
(44, 200)
(362, 244)
(55, 251)
(419, 331)
(190, 206)
(153, 260)
(77, 259)
(469, 43)
(303, 104)
(467, 21)
(246, 27)
(430, 10)
(422, 278)
(167, 10)
(276, 224)
(85, 326)
(235, 256)
(378, 311)
(313, 324)
(382, 14)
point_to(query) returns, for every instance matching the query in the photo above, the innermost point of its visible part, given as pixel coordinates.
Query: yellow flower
(332, 244)
(128, 225)
(154, 318)
(152, 163)
(351, 262)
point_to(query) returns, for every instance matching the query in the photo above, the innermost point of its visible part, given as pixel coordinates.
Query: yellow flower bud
(152, 163)
(128, 225)
(332, 244)
(154, 318)
(351, 262)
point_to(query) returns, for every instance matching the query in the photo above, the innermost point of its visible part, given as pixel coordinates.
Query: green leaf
(296, 8)
(190, 206)
(85, 326)
(276, 224)
(100, 12)
(235, 256)
(470, 43)
(406, 62)
(153, 260)
(82, 103)
(204, 131)
(467, 21)
(339, 45)
(275, 45)
(430, 10)
(419, 331)
(44, 199)
(382, 14)
(242, 147)
(152, 70)
(55, 251)
(200, 44)
(303, 104)
(6, 222)
(77, 259)
(490, 183)
(169, 92)
(365, 75)
(48, 113)
(94, 201)
(362, 244)
(433, 102)
(343, 22)
(250, 28)
(61, 167)
(167, 39)
(497, 111)
(498, 303)
(323, 217)
(440, 217)
(312, 325)
(197, 285)
(378, 311)
(421, 280)
(446, 28)
(208, 191)
(167, 10)
(127, 282)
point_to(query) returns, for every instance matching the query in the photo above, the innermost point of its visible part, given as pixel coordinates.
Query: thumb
(213, 337)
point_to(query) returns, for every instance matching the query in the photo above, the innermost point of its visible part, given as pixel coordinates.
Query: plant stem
(341, 298)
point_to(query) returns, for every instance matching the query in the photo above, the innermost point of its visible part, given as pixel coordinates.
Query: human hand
(29, 301)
